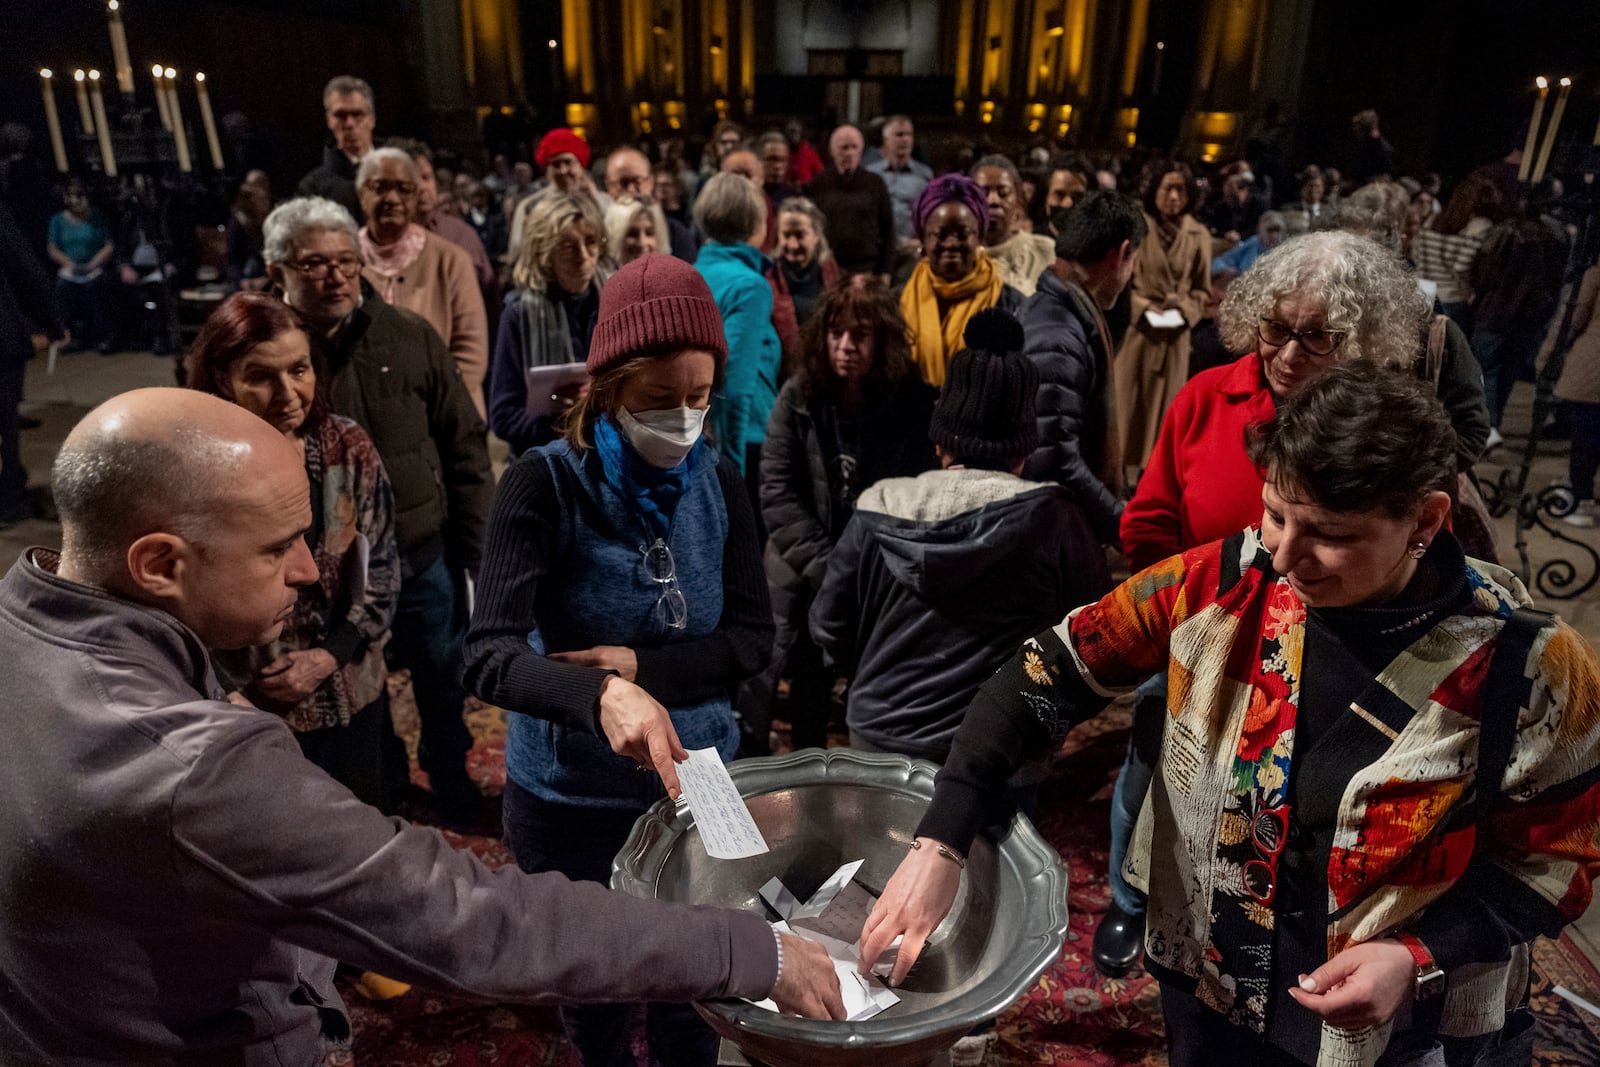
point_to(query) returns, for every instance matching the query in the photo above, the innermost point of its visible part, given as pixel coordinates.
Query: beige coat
(1580, 374)
(1152, 365)
(442, 287)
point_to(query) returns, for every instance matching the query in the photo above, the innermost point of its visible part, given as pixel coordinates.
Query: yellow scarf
(933, 342)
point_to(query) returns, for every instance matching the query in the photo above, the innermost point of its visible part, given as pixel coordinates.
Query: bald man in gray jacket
(176, 880)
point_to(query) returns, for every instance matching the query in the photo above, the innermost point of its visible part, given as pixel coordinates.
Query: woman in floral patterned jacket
(325, 674)
(1318, 890)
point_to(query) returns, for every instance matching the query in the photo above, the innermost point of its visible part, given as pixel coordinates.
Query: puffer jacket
(1074, 377)
(931, 585)
(392, 374)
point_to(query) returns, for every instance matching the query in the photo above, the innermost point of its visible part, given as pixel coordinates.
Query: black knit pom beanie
(985, 413)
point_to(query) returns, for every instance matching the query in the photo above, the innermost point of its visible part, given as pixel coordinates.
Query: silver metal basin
(818, 810)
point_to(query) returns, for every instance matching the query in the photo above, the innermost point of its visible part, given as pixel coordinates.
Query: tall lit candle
(52, 118)
(119, 47)
(208, 120)
(84, 118)
(179, 135)
(1555, 128)
(108, 158)
(1533, 130)
(161, 97)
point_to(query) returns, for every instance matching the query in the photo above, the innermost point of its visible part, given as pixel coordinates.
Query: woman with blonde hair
(550, 315)
(634, 228)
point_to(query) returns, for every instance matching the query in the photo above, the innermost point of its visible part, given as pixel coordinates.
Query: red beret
(560, 141)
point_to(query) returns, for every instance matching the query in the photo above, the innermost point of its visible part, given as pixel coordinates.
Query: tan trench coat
(1152, 365)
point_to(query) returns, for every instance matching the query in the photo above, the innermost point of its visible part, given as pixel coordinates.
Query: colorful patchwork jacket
(1230, 633)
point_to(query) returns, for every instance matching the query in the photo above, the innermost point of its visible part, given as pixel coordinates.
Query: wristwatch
(1429, 981)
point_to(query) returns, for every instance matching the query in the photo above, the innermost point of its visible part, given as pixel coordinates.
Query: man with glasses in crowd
(347, 105)
(628, 174)
(390, 372)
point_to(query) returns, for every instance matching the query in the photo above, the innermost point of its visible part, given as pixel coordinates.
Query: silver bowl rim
(1039, 866)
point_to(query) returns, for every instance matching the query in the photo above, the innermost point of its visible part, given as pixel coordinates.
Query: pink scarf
(387, 261)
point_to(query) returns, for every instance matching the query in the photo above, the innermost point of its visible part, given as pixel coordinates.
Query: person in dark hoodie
(935, 576)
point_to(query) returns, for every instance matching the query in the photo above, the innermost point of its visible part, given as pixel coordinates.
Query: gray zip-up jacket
(176, 880)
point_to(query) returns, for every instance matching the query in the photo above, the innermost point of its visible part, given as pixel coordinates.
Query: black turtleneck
(1345, 649)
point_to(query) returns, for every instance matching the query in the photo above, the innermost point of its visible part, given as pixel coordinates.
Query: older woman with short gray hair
(732, 210)
(803, 268)
(418, 270)
(1308, 305)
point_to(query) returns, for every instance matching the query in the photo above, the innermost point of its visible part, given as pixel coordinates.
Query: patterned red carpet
(1072, 1016)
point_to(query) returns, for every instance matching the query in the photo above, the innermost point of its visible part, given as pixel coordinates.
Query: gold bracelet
(947, 853)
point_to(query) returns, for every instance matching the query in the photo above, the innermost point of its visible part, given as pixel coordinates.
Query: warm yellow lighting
(94, 75)
(1541, 82)
(170, 73)
(1036, 111)
(553, 44)
(1210, 151)
(987, 117)
(155, 71)
(46, 72)
(1566, 83)
(1065, 111)
(1062, 128)
(1044, 69)
(199, 75)
(78, 75)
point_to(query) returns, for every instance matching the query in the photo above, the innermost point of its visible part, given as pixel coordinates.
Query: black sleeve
(459, 435)
(793, 528)
(1066, 380)
(1461, 392)
(1032, 700)
(500, 666)
(741, 646)
(35, 292)
(886, 235)
(836, 609)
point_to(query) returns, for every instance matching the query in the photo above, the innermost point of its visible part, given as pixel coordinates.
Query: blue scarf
(652, 491)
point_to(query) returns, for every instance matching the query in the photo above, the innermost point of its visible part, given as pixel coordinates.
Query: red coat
(804, 163)
(1200, 486)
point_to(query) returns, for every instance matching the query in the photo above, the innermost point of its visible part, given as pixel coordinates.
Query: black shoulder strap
(1504, 694)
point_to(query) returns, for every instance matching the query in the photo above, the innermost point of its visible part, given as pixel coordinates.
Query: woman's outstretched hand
(915, 901)
(639, 728)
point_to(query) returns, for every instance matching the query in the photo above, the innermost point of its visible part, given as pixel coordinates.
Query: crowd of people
(788, 425)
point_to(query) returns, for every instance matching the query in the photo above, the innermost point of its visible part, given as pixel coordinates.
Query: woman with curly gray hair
(1310, 304)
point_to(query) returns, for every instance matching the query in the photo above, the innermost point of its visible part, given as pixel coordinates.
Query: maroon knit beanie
(655, 305)
(559, 141)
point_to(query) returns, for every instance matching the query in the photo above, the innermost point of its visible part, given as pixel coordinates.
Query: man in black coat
(859, 210)
(347, 105)
(1069, 343)
(27, 299)
(392, 374)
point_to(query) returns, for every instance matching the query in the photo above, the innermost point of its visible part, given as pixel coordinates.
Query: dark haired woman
(856, 412)
(1330, 880)
(325, 674)
(1444, 249)
(1171, 285)
(621, 600)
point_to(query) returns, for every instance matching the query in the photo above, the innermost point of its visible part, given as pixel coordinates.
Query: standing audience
(858, 207)
(803, 266)
(347, 106)
(1444, 248)
(1020, 255)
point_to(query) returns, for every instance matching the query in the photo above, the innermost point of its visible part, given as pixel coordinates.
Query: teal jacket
(750, 384)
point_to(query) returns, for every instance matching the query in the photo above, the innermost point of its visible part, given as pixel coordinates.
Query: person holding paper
(621, 600)
(176, 879)
(1171, 285)
(1379, 772)
(325, 672)
(549, 317)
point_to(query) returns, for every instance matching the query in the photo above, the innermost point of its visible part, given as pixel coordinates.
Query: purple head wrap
(942, 190)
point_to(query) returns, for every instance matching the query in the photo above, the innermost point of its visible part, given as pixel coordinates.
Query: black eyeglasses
(1317, 342)
(316, 268)
(672, 610)
(1269, 831)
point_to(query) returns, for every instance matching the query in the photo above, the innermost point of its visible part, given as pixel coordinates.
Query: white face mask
(662, 438)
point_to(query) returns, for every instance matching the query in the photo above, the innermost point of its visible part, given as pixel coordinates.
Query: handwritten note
(726, 828)
(863, 997)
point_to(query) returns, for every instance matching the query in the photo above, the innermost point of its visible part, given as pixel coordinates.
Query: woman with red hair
(325, 673)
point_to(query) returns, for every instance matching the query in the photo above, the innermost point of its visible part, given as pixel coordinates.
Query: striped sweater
(1230, 634)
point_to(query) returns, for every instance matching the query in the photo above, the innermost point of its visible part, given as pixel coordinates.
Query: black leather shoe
(1117, 942)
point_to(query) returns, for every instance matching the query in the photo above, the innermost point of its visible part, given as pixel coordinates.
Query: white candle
(208, 120)
(1555, 128)
(1533, 130)
(108, 158)
(84, 118)
(161, 98)
(52, 119)
(119, 48)
(179, 135)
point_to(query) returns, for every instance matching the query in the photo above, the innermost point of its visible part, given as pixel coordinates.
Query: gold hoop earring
(1418, 550)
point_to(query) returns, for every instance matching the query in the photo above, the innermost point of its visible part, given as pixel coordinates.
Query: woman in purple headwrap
(955, 279)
